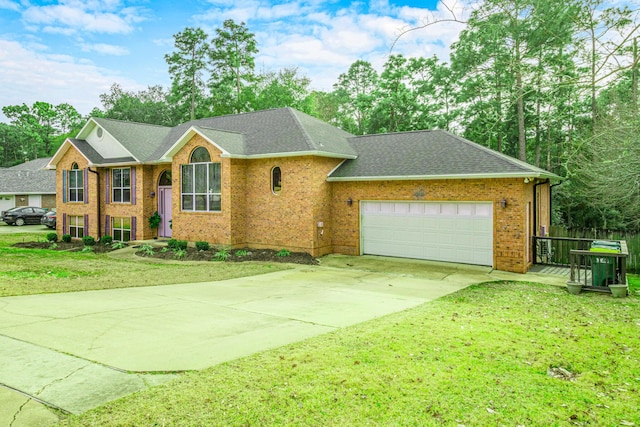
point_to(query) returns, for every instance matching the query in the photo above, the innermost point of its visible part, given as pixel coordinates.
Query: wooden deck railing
(555, 250)
(598, 270)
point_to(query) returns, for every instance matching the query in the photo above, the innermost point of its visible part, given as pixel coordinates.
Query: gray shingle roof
(27, 181)
(140, 139)
(427, 154)
(28, 178)
(269, 132)
(32, 165)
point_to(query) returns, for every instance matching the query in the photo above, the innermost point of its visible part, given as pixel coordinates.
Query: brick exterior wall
(510, 238)
(309, 214)
(77, 208)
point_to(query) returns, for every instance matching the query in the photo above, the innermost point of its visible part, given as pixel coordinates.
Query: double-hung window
(76, 184)
(76, 226)
(121, 229)
(121, 187)
(201, 183)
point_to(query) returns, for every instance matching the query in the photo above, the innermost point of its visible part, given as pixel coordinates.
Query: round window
(99, 132)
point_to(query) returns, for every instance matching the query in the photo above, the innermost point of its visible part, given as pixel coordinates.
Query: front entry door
(164, 209)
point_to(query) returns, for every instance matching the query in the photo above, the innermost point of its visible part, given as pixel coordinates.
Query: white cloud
(27, 76)
(95, 17)
(105, 49)
(9, 5)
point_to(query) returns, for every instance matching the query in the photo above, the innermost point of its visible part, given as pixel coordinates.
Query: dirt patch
(73, 246)
(235, 255)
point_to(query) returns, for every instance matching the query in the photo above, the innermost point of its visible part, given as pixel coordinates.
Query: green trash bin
(603, 269)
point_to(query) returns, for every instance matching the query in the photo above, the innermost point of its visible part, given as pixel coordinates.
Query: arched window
(276, 180)
(165, 179)
(200, 155)
(201, 183)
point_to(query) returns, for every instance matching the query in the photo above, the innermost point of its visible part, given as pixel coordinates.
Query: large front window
(121, 229)
(76, 226)
(76, 184)
(201, 184)
(121, 179)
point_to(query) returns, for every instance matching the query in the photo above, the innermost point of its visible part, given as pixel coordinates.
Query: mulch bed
(266, 255)
(73, 246)
(191, 254)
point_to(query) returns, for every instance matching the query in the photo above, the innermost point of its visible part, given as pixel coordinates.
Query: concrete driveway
(76, 351)
(14, 229)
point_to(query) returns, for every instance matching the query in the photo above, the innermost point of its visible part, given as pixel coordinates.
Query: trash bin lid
(605, 246)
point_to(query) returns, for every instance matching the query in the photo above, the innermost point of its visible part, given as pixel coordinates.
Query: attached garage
(460, 232)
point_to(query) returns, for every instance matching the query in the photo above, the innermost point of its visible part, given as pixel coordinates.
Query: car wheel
(20, 222)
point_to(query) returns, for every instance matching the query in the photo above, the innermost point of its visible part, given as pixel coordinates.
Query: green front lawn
(492, 354)
(36, 271)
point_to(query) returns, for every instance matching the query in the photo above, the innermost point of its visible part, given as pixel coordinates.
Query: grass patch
(490, 354)
(35, 271)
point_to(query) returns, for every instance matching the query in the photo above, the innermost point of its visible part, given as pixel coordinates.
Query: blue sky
(73, 50)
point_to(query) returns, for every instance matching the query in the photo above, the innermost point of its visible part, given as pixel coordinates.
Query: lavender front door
(164, 209)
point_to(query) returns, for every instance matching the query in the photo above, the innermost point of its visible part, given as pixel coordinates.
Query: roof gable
(434, 154)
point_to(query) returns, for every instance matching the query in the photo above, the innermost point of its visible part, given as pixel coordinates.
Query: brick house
(282, 179)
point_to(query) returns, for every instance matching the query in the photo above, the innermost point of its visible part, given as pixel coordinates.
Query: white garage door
(449, 231)
(6, 202)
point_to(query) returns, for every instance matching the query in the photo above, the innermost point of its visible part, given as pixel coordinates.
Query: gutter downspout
(98, 201)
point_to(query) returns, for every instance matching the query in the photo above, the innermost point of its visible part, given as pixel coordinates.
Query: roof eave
(292, 154)
(529, 175)
(61, 152)
(183, 139)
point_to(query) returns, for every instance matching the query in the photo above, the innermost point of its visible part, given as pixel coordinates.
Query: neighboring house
(282, 179)
(28, 184)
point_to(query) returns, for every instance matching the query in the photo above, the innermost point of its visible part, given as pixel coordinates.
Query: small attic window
(276, 180)
(99, 132)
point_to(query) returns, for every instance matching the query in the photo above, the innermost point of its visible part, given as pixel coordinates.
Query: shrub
(221, 255)
(146, 249)
(66, 238)
(106, 240)
(52, 237)
(202, 246)
(283, 253)
(118, 245)
(181, 245)
(89, 241)
(171, 243)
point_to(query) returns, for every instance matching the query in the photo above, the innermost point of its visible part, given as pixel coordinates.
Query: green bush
(283, 253)
(66, 238)
(52, 237)
(202, 246)
(89, 241)
(181, 245)
(171, 243)
(221, 255)
(106, 240)
(146, 250)
(118, 245)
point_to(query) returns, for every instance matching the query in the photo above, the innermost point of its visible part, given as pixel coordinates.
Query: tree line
(551, 83)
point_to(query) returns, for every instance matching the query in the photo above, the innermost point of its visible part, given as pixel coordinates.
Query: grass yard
(515, 354)
(497, 353)
(37, 271)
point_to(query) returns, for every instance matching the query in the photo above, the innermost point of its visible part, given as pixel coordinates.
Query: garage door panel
(442, 231)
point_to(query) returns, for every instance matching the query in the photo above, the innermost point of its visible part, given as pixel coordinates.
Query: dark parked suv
(23, 215)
